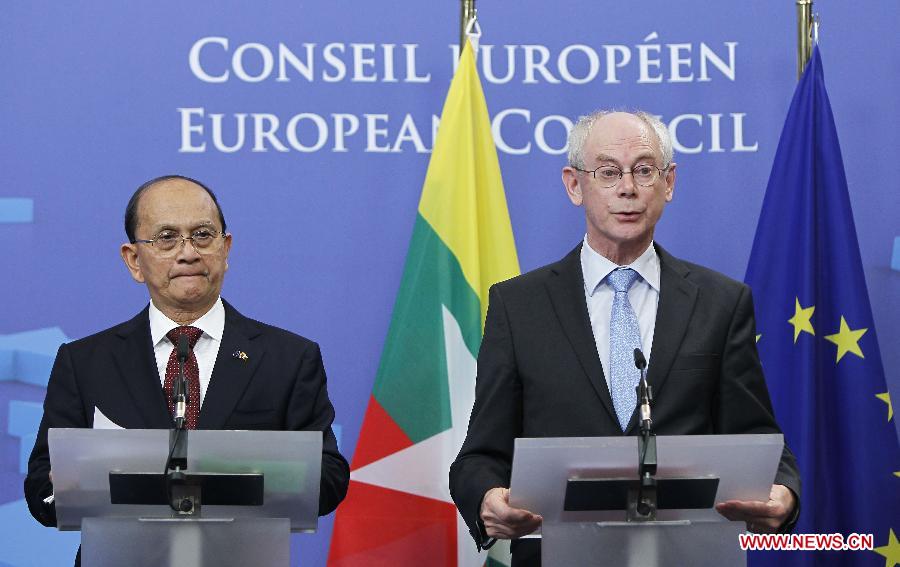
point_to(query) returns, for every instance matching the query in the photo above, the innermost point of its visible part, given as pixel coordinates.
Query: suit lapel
(237, 360)
(566, 289)
(677, 297)
(136, 364)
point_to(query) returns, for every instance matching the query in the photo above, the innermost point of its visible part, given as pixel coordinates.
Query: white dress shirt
(212, 323)
(643, 296)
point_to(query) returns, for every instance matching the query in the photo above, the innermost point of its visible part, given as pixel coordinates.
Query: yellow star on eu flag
(801, 319)
(847, 340)
(886, 398)
(891, 551)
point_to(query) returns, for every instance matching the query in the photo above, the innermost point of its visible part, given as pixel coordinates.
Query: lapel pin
(240, 355)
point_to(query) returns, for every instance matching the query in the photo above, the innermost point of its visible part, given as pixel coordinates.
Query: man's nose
(187, 252)
(627, 185)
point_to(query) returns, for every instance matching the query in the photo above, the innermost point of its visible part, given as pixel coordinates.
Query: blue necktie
(624, 337)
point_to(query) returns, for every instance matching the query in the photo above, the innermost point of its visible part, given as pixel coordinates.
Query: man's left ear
(670, 181)
(227, 248)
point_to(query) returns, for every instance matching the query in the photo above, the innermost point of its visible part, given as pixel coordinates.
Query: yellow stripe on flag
(463, 198)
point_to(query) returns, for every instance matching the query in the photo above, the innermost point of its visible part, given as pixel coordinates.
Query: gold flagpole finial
(466, 15)
(805, 27)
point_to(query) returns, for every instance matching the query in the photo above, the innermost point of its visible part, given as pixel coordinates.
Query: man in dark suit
(556, 356)
(249, 375)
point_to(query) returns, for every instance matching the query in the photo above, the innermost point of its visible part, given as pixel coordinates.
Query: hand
(761, 517)
(502, 520)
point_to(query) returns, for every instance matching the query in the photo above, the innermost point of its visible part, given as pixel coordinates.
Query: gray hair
(582, 129)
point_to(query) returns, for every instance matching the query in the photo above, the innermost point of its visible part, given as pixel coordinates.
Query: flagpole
(804, 34)
(467, 12)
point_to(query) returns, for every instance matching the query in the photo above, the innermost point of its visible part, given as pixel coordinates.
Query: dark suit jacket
(539, 374)
(280, 386)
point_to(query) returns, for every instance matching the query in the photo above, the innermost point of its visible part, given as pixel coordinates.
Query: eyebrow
(169, 226)
(641, 157)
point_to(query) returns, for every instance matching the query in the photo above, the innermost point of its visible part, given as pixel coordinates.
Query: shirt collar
(212, 323)
(595, 267)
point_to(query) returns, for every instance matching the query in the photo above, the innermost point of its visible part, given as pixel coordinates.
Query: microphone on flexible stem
(176, 463)
(181, 389)
(645, 393)
(646, 496)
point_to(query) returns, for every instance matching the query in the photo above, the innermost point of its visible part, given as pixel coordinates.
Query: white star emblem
(422, 469)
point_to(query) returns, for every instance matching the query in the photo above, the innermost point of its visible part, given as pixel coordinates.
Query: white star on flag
(423, 468)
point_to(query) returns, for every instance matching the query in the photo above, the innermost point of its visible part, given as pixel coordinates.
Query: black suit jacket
(539, 374)
(280, 386)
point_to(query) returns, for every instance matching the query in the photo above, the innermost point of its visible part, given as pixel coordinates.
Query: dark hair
(131, 210)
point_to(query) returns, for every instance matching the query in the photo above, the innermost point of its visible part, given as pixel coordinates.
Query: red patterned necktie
(191, 374)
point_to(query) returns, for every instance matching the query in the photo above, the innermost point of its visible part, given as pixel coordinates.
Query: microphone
(646, 497)
(181, 389)
(639, 359)
(176, 463)
(184, 349)
(645, 394)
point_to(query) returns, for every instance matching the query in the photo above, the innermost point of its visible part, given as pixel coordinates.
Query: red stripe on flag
(378, 526)
(380, 436)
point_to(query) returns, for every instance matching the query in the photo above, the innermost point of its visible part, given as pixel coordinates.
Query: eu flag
(817, 341)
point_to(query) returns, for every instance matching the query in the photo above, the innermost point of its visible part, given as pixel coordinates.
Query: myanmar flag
(398, 510)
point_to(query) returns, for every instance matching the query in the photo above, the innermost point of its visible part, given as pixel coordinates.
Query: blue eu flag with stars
(817, 341)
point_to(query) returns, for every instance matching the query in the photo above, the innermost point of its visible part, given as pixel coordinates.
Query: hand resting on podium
(502, 520)
(762, 517)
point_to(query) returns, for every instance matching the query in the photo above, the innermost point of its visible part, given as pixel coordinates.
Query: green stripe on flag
(411, 384)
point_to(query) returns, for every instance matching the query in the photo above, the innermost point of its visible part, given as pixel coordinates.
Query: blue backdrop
(313, 122)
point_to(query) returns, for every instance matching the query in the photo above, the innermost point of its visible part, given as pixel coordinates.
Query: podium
(251, 489)
(579, 486)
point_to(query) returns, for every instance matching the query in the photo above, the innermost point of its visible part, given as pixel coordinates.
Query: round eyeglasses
(609, 176)
(169, 241)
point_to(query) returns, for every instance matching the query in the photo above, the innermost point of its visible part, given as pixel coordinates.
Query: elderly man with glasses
(245, 374)
(557, 359)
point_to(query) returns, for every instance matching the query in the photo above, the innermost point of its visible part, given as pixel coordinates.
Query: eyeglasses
(168, 241)
(644, 175)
